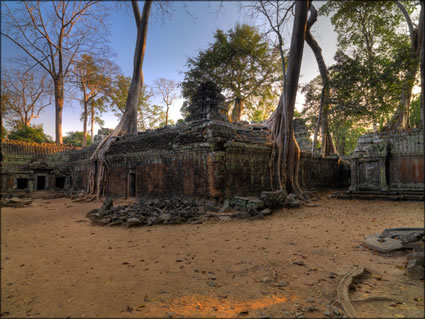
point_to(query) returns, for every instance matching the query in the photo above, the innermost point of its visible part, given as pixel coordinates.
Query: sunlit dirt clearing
(56, 264)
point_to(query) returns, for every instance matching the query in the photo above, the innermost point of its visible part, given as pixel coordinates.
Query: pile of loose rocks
(192, 211)
(151, 212)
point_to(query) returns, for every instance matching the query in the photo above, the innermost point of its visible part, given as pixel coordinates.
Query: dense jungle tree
(369, 31)
(24, 95)
(240, 61)
(93, 78)
(52, 34)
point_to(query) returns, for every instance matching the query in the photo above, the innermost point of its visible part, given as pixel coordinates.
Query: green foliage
(347, 120)
(372, 58)
(3, 132)
(149, 115)
(240, 61)
(94, 79)
(33, 133)
(259, 108)
(367, 79)
(118, 94)
(75, 138)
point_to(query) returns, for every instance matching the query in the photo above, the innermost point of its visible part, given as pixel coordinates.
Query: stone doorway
(131, 184)
(41, 183)
(60, 182)
(22, 183)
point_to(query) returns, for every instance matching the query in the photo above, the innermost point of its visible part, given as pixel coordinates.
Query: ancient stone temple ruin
(206, 156)
(389, 165)
(27, 167)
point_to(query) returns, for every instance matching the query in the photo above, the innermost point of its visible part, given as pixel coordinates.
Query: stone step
(389, 196)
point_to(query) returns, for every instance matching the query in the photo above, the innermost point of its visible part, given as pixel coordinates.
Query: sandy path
(55, 264)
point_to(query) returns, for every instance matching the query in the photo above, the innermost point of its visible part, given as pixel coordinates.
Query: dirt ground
(54, 263)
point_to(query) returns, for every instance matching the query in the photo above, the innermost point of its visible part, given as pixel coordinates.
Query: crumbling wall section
(22, 163)
(389, 162)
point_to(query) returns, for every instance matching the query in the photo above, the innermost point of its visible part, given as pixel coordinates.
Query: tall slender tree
(285, 156)
(128, 122)
(167, 90)
(327, 143)
(286, 153)
(93, 79)
(52, 35)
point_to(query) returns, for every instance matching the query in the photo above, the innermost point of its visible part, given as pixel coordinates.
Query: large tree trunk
(237, 110)
(319, 121)
(59, 98)
(85, 115)
(166, 115)
(128, 122)
(327, 143)
(284, 161)
(92, 111)
(400, 119)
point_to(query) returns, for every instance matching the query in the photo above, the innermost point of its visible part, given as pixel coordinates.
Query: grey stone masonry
(390, 162)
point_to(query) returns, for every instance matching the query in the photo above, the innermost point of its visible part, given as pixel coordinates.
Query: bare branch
(136, 12)
(408, 20)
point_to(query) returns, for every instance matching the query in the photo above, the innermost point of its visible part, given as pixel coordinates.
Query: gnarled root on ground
(343, 291)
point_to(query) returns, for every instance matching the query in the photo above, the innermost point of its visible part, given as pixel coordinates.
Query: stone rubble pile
(150, 212)
(8, 200)
(192, 211)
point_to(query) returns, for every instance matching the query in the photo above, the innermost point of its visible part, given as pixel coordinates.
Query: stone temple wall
(390, 163)
(204, 157)
(32, 166)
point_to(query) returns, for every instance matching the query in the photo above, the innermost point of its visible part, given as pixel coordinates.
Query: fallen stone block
(383, 245)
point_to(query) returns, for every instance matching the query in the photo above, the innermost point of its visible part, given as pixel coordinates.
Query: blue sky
(169, 44)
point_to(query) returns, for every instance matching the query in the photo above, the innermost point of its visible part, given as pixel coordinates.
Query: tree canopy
(52, 34)
(380, 38)
(75, 138)
(241, 62)
(33, 133)
(24, 95)
(149, 115)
